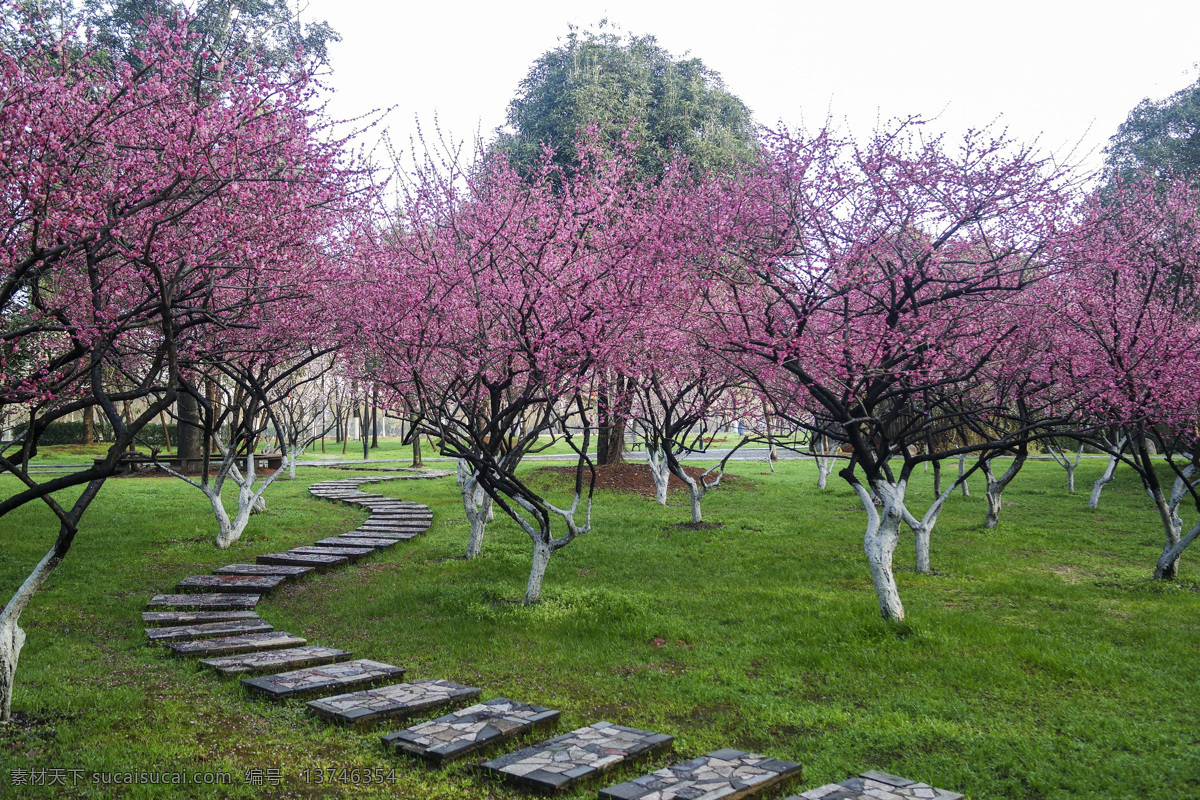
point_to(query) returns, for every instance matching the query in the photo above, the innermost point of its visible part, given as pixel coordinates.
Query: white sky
(1066, 73)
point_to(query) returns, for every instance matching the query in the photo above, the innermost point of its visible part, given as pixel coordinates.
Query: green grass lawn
(1039, 662)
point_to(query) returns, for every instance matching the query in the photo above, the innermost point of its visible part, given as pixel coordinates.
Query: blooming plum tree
(134, 213)
(499, 306)
(886, 285)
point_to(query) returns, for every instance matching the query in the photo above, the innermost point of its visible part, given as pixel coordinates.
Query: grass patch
(1038, 662)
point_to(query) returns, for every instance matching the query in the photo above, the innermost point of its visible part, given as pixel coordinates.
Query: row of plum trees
(902, 299)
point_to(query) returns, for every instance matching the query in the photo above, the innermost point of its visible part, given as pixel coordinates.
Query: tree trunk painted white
(962, 463)
(1168, 512)
(293, 453)
(541, 557)
(1104, 479)
(696, 490)
(879, 543)
(824, 469)
(923, 530)
(996, 486)
(12, 637)
(1066, 463)
(477, 505)
(660, 472)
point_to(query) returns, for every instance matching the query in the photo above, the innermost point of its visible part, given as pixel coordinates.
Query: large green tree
(627, 84)
(1161, 137)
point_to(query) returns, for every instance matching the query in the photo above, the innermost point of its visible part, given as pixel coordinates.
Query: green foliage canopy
(1161, 137)
(627, 85)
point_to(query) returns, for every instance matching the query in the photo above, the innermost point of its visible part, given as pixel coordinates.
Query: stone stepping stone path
(563, 761)
(212, 617)
(727, 774)
(319, 681)
(232, 645)
(216, 601)
(381, 534)
(208, 630)
(351, 553)
(469, 730)
(875, 785)
(234, 584)
(169, 618)
(290, 573)
(391, 702)
(317, 562)
(357, 541)
(268, 661)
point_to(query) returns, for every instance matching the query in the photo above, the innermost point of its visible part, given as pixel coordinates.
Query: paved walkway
(213, 618)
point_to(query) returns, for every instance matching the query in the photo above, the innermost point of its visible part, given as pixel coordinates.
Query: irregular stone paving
(208, 630)
(473, 728)
(320, 563)
(232, 645)
(291, 573)
(245, 584)
(391, 702)
(557, 763)
(875, 785)
(276, 660)
(357, 541)
(204, 602)
(726, 774)
(317, 681)
(160, 618)
(352, 553)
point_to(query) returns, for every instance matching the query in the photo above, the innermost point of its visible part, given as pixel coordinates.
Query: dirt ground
(634, 478)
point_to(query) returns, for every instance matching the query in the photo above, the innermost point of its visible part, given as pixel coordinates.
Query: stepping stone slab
(727, 774)
(377, 534)
(208, 630)
(276, 660)
(469, 730)
(291, 573)
(320, 563)
(320, 681)
(164, 618)
(389, 702)
(875, 785)
(218, 601)
(414, 530)
(356, 541)
(352, 553)
(232, 645)
(260, 584)
(557, 763)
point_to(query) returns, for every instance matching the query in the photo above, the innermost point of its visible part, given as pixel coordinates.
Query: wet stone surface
(204, 602)
(277, 660)
(352, 553)
(245, 584)
(396, 701)
(471, 729)
(727, 774)
(318, 562)
(875, 785)
(356, 541)
(208, 630)
(264, 569)
(331, 679)
(172, 618)
(393, 536)
(231, 645)
(557, 763)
